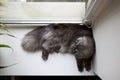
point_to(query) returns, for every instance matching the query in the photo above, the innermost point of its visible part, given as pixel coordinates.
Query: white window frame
(93, 9)
(39, 21)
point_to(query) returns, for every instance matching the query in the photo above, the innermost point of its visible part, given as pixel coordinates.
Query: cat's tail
(30, 43)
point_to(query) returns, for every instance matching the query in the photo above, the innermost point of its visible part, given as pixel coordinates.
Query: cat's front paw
(45, 55)
(45, 58)
(88, 68)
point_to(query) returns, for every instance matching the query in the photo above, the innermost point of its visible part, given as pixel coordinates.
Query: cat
(70, 38)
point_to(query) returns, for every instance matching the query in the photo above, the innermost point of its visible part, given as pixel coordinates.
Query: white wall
(107, 36)
(32, 64)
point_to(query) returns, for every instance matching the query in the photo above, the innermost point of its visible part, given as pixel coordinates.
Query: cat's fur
(66, 38)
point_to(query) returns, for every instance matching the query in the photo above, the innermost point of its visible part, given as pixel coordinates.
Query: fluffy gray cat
(66, 38)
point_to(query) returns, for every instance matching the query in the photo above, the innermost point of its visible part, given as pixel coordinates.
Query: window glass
(49, 0)
(44, 10)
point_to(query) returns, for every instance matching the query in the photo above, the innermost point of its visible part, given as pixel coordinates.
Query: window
(42, 11)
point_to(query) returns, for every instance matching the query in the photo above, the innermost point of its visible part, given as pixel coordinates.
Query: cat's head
(79, 45)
